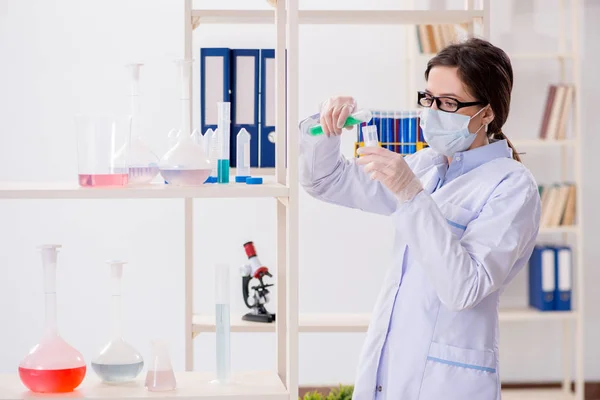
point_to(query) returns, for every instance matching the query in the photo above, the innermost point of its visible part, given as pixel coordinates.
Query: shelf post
(292, 209)
(189, 213)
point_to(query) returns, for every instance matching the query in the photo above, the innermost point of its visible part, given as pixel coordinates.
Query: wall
(66, 57)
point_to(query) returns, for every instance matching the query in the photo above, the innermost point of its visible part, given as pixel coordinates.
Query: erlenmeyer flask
(118, 361)
(52, 366)
(143, 163)
(185, 164)
(160, 376)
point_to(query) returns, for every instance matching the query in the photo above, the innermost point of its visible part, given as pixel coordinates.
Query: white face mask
(447, 132)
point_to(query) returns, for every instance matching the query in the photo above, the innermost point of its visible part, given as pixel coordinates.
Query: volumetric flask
(143, 163)
(160, 376)
(100, 143)
(186, 163)
(52, 366)
(118, 361)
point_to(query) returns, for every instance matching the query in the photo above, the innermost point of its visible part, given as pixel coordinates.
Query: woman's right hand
(334, 112)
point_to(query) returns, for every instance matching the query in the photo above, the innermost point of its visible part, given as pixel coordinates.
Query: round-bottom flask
(52, 366)
(118, 362)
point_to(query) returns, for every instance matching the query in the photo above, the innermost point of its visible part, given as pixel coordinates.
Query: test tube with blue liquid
(222, 323)
(223, 125)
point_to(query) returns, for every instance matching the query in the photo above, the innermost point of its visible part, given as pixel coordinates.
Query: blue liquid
(223, 335)
(223, 171)
(118, 373)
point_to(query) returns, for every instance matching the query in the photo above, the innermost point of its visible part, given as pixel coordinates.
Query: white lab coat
(434, 329)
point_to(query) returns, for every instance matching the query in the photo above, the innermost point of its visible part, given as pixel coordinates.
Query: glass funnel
(118, 361)
(143, 163)
(52, 366)
(99, 141)
(186, 163)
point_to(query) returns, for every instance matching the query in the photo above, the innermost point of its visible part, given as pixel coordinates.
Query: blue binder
(267, 108)
(214, 84)
(244, 101)
(542, 278)
(564, 270)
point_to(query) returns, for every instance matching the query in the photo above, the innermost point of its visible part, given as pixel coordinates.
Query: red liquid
(52, 380)
(90, 180)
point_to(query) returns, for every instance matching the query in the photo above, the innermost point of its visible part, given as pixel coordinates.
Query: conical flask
(185, 164)
(143, 163)
(118, 361)
(160, 376)
(52, 366)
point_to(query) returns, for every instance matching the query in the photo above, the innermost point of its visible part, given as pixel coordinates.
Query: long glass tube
(222, 323)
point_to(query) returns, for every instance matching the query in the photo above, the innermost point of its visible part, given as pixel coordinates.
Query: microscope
(260, 292)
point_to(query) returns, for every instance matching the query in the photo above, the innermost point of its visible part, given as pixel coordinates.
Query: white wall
(64, 57)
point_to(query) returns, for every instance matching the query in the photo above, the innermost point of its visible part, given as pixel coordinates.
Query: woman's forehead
(445, 81)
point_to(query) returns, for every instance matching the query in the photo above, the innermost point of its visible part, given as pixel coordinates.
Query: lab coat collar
(473, 158)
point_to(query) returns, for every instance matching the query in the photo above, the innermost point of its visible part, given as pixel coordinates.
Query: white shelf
(542, 142)
(540, 56)
(353, 17)
(536, 394)
(190, 385)
(306, 323)
(154, 191)
(349, 323)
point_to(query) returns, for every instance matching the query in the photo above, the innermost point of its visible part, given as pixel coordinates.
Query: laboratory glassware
(370, 135)
(213, 153)
(118, 361)
(242, 156)
(160, 376)
(52, 366)
(206, 142)
(198, 139)
(223, 125)
(100, 140)
(143, 163)
(353, 119)
(222, 323)
(185, 164)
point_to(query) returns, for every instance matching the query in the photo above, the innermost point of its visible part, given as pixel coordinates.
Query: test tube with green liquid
(353, 119)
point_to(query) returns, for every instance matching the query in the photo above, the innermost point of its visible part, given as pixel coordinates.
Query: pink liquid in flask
(52, 380)
(104, 180)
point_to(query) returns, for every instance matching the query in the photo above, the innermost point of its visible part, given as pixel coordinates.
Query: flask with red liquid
(52, 366)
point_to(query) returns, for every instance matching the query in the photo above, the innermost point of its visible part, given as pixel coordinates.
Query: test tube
(370, 136)
(353, 119)
(222, 322)
(242, 155)
(223, 127)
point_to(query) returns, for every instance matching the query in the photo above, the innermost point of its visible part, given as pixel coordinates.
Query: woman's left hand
(391, 170)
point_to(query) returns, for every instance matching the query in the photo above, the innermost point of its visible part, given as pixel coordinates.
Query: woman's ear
(487, 117)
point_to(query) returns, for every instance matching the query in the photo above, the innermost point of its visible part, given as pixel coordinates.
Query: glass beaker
(185, 164)
(100, 143)
(52, 366)
(143, 163)
(160, 376)
(118, 361)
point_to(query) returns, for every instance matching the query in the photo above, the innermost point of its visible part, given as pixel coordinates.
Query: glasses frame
(438, 100)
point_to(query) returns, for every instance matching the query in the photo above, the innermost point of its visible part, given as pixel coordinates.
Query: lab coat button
(379, 388)
(457, 158)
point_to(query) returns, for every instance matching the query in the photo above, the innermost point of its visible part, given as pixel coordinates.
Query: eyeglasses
(447, 104)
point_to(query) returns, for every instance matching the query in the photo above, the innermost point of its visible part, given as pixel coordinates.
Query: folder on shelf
(542, 278)
(564, 270)
(267, 108)
(214, 84)
(244, 103)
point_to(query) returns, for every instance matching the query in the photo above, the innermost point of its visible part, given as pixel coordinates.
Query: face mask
(447, 132)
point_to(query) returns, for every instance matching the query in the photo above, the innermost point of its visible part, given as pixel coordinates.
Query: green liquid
(223, 171)
(318, 129)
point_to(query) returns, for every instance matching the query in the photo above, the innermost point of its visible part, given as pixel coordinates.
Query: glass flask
(100, 139)
(143, 163)
(118, 361)
(160, 376)
(185, 164)
(52, 366)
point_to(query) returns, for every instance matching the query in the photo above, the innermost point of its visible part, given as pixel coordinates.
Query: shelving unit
(283, 187)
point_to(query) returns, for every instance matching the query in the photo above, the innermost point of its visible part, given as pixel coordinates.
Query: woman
(466, 213)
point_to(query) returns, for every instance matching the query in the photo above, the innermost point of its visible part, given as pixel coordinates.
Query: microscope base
(267, 318)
